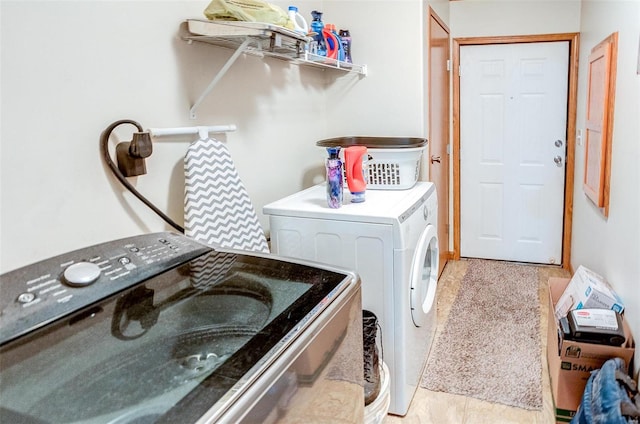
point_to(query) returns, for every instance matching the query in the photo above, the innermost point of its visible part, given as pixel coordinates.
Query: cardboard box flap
(586, 289)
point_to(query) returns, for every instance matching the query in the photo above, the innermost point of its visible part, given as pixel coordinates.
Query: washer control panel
(427, 203)
(43, 292)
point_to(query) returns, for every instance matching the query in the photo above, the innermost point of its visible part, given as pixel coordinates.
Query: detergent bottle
(339, 47)
(335, 182)
(345, 37)
(316, 27)
(299, 23)
(353, 159)
(331, 42)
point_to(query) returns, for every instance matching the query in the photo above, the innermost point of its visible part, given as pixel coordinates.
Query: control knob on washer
(81, 274)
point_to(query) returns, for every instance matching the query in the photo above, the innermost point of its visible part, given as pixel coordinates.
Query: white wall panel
(71, 68)
(611, 246)
(478, 18)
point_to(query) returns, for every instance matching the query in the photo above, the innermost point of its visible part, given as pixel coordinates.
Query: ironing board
(218, 210)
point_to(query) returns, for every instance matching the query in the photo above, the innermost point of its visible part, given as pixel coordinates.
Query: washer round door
(424, 275)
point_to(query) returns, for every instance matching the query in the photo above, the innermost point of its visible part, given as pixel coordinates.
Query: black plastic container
(374, 142)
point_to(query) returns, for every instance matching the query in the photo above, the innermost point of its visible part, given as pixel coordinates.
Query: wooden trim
(511, 39)
(572, 100)
(613, 41)
(440, 175)
(599, 128)
(440, 22)
(596, 123)
(456, 148)
(574, 51)
(450, 256)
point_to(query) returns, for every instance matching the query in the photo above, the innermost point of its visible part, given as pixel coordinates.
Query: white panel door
(513, 125)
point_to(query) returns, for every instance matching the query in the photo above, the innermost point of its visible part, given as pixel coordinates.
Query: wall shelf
(258, 39)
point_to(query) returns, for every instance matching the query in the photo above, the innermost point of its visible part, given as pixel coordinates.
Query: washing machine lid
(169, 347)
(380, 206)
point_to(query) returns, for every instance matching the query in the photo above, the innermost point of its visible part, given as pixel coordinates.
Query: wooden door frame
(448, 254)
(572, 99)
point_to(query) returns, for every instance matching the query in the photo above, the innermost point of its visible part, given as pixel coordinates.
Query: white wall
(611, 246)
(391, 38)
(70, 68)
(479, 18)
(388, 102)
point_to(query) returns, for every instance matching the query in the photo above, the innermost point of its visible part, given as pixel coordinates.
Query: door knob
(435, 159)
(558, 160)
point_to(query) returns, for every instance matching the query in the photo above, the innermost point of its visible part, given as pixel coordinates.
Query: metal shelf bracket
(241, 48)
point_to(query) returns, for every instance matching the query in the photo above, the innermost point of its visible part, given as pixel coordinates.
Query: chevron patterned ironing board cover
(218, 210)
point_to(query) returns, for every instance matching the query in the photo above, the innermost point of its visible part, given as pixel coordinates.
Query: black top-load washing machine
(159, 328)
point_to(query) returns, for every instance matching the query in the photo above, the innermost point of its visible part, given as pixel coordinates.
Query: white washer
(390, 240)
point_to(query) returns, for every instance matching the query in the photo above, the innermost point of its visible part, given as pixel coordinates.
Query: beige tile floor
(430, 407)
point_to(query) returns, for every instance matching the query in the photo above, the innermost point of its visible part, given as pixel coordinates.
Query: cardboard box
(587, 290)
(571, 363)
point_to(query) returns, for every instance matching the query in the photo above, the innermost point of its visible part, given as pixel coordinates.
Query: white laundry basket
(393, 169)
(393, 163)
(375, 412)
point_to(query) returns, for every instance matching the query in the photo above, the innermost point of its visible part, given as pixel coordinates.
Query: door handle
(558, 160)
(435, 159)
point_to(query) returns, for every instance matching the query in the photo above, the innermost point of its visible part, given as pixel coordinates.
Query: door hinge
(448, 65)
(459, 70)
(448, 148)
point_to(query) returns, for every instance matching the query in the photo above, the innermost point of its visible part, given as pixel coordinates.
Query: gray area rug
(490, 346)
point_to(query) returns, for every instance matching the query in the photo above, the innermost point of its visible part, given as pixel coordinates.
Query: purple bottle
(335, 182)
(345, 38)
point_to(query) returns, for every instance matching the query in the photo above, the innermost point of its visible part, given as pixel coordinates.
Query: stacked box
(587, 290)
(571, 362)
